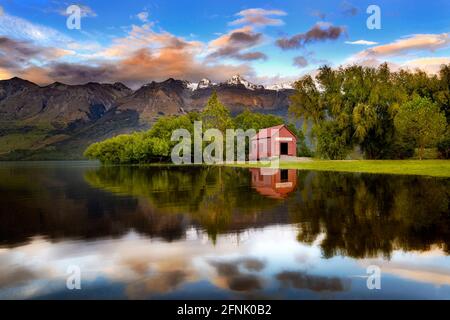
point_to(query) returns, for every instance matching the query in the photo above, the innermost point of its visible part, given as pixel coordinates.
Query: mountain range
(58, 121)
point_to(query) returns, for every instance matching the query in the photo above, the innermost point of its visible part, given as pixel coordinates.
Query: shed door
(284, 148)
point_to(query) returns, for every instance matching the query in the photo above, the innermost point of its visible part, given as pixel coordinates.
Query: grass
(15, 141)
(434, 168)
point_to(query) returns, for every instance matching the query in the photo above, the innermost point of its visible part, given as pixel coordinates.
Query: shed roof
(270, 132)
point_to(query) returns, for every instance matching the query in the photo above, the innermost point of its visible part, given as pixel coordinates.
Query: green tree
(216, 115)
(331, 142)
(421, 120)
(307, 103)
(252, 120)
(360, 101)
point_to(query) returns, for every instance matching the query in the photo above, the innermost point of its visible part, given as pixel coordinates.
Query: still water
(220, 233)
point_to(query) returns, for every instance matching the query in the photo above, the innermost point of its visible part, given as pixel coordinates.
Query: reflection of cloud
(15, 275)
(301, 280)
(163, 282)
(419, 266)
(253, 264)
(146, 267)
(244, 282)
(231, 276)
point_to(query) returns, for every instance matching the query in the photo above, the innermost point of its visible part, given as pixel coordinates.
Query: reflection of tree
(211, 196)
(366, 215)
(56, 203)
(359, 215)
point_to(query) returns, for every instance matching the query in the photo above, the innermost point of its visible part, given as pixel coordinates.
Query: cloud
(15, 54)
(22, 29)
(362, 42)
(86, 11)
(140, 37)
(319, 32)
(235, 43)
(143, 16)
(417, 42)
(135, 70)
(300, 62)
(430, 64)
(139, 57)
(259, 17)
(318, 14)
(348, 9)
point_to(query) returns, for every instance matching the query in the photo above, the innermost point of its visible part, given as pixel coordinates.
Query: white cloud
(259, 17)
(19, 28)
(429, 64)
(362, 42)
(86, 11)
(143, 16)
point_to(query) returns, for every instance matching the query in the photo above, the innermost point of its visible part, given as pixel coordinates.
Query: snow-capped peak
(238, 80)
(280, 86)
(191, 85)
(204, 83)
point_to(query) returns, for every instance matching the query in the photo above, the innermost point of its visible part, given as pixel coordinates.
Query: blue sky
(266, 41)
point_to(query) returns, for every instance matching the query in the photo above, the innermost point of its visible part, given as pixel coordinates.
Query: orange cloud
(428, 42)
(140, 57)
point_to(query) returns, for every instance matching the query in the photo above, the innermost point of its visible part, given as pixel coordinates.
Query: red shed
(273, 142)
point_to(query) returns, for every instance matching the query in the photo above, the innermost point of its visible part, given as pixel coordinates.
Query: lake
(220, 233)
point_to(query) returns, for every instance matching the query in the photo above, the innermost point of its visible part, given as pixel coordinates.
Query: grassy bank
(435, 168)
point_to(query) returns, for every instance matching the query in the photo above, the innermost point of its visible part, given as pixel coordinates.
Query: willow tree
(421, 120)
(358, 103)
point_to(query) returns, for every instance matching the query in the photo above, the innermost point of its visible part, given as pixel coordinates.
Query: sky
(267, 42)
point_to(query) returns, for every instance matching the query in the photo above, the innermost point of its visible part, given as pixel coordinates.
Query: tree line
(374, 112)
(384, 114)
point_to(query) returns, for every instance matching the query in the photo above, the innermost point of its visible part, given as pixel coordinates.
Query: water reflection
(274, 183)
(209, 232)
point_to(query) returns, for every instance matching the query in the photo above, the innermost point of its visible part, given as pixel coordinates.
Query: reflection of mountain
(274, 183)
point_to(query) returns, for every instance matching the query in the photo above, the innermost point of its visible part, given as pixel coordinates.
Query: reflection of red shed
(274, 183)
(273, 142)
